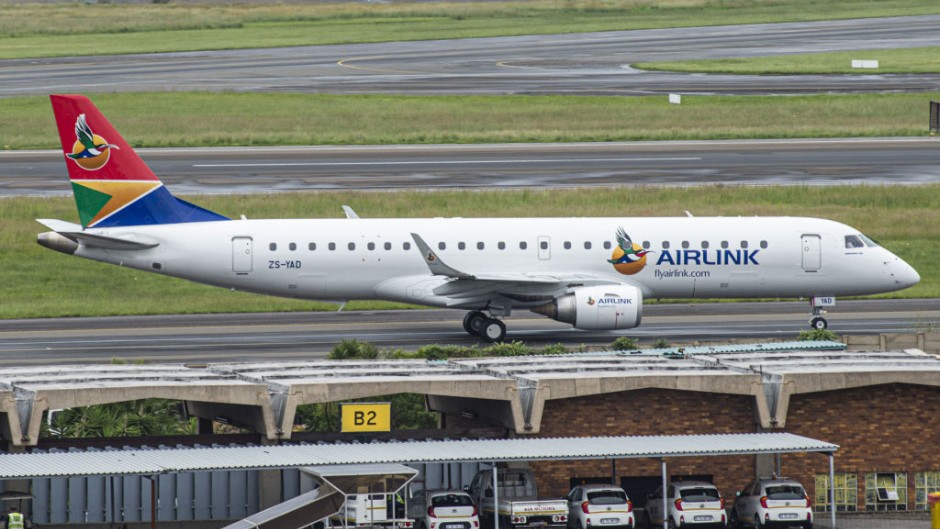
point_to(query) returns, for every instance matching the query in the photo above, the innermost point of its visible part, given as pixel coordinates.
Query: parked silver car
(688, 504)
(766, 502)
(592, 506)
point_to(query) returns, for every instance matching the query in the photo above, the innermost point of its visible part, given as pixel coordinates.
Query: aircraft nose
(904, 274)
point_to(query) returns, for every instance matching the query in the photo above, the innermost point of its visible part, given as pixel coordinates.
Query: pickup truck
(443, 509)
(517, 502)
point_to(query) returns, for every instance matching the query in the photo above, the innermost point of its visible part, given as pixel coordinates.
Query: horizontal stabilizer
(75, 233)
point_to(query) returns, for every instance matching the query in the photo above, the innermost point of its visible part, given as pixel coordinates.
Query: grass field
(42, 283)
(209, 119)
(909, 60)
(83, 28)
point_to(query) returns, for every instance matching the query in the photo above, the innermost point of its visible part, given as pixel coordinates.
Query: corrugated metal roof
(36, 465)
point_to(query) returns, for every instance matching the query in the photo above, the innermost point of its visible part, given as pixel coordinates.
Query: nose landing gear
(477, 323)
(817, 322)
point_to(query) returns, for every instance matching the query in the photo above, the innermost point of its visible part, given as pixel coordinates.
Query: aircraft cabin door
(812, 253)
(241, 255)
(545, 248)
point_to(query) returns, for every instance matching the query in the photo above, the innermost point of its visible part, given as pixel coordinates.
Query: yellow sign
(367, 417)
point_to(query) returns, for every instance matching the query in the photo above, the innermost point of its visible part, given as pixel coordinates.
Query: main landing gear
(477, 323)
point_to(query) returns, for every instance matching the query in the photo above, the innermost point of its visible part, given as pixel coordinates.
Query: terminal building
(879, 408)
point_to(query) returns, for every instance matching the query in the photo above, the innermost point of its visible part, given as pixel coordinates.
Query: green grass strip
(908, 60)
(228, 119)
(76, 29)
(38, 282)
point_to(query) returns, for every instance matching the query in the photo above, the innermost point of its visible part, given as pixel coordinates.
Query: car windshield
(699, 494)
(451, 500)
(785, 492)
(607, 497)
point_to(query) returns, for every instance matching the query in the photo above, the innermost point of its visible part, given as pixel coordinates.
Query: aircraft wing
(466, 288)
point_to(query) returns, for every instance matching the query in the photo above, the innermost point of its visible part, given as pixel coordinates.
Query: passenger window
(523, 245)
(852, 241)
(646, 245)
(272, 246)
(587, 245)
(724, 244)
(685, 245)
(704, 245)
(351, 246)
(312, 246)
(501, 245)
(480, 246)
(744, 245)
(461, 246)
(665, 245)
(442, 246)
(371, 246)
(292, 246)
(567, 245)
(763, 245)
(607, 245)
(543, 245)
(332, 246)
(388, 246)
(406, 245)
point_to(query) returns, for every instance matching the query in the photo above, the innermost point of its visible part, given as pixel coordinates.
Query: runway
(286, 336)
(577, 63)
(908, 161)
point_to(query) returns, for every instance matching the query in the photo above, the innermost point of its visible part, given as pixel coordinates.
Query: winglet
(350, 214)
(434, 262)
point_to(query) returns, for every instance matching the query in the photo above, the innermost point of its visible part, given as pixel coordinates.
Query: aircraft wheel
(819, 323)
(492, 330)
(473, 321)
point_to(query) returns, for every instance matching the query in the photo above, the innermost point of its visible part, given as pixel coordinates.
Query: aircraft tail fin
(111, 184)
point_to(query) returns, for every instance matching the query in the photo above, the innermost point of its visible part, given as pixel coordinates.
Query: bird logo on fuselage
(90, 150)
(628, 257)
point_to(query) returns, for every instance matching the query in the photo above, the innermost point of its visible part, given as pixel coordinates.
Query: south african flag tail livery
(112, 185)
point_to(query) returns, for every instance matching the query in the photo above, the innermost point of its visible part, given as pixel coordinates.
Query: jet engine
(597, 308)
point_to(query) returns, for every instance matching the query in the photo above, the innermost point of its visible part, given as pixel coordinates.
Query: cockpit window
(852, 241)
(869, 242)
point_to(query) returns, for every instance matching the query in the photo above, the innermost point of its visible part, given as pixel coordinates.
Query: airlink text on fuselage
(708, 257)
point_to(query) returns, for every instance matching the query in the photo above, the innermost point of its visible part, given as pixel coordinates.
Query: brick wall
(648, 412)
(888, 428)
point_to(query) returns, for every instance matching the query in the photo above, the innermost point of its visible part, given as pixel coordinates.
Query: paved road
(769, 162)
(580, 63)
(285, 336)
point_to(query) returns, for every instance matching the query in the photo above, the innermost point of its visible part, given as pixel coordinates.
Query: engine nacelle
(597, 308)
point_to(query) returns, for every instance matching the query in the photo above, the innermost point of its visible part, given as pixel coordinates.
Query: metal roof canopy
(151, 461)
(350, 479)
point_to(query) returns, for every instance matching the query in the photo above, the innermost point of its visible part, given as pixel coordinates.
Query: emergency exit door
(812, 253)
(242, 255)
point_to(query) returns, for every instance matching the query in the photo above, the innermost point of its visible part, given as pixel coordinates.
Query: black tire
(818, 323)
(647, 521)
(734, 522)
(757, 524)
(492, 330)
(472, 322)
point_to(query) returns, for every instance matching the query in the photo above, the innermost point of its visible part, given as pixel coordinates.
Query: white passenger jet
(593, 273)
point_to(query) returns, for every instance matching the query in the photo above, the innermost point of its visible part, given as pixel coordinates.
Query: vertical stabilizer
(111, 184)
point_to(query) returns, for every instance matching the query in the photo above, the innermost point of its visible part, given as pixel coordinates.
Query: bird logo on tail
(90, 151)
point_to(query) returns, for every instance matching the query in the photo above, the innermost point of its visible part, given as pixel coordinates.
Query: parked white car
(688, 504)
(766, 502)
(592, 506)
(443, 509)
